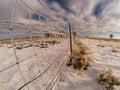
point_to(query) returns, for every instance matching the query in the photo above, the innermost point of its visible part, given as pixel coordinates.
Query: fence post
(70, 32)
(74, 36)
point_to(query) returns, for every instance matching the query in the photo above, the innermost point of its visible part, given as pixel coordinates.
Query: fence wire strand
(31, 37)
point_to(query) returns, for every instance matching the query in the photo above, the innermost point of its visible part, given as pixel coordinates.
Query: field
(30, 65)
(59, 45)
(37, 65)
(105, 55)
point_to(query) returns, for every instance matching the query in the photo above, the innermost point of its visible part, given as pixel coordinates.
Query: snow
(103, 59)
(31, 65)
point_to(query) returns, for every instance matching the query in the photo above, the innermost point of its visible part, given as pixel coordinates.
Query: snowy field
(44, 63)
(106, 54)
(34, 63)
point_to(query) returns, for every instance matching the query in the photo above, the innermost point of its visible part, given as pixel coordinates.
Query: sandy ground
(103, 58)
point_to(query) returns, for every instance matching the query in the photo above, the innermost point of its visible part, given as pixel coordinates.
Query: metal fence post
(70, 32)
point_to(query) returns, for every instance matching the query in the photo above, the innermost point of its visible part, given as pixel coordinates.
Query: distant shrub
(19, 47)
(1, 46)
(101, 45)
(108, 80)
(69, 61)
(114, 50)
(10, 47)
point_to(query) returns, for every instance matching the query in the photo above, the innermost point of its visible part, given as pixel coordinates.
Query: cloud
(92, 16)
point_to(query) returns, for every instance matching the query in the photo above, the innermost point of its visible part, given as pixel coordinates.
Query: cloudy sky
(87, 17)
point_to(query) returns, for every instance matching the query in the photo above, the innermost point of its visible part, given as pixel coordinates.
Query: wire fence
(32, 52)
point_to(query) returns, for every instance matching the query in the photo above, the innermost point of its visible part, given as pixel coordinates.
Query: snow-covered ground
(45, 63)
(106, 55)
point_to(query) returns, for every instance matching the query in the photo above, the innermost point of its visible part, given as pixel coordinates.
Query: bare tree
(111, 36)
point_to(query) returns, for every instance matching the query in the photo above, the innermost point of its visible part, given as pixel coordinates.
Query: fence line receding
(32, 51)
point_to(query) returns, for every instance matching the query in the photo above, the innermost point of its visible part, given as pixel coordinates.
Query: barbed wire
(57, 75)
(40, 74)
(12, 41)
(36, 26)
(29, 34)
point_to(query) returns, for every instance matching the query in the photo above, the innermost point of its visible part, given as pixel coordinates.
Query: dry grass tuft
(80, 58)
(1, 45)
(68, 61)
(114, 50)
(101, 45)
(108, 80)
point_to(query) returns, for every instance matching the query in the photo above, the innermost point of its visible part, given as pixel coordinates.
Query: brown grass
(114, 50)
(80, 58)
(108, 80)
(101, 45)
(1, 46)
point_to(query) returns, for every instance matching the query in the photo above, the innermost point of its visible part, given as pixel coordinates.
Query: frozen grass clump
(108, 80)
(114, 50)
(80, 58)
(101, 45)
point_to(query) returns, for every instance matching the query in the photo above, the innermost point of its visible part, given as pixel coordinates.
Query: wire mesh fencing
(32, 52)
